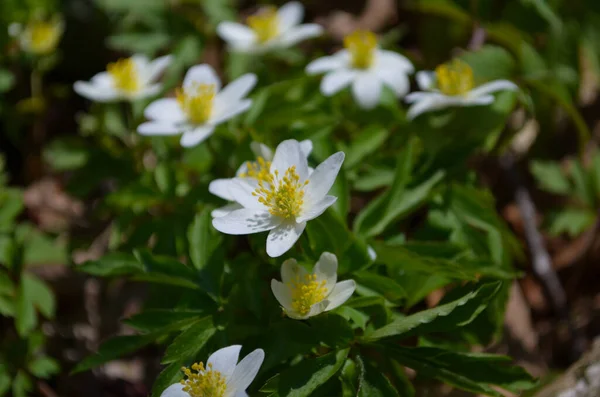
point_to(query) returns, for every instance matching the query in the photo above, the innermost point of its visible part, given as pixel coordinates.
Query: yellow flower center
(454, 78)
(203, 382)
(125, 75)
(43, 36)
(265, 24)
(198, 103)
(283, 197)
(258, 169)
(361, 45)
(306, 293)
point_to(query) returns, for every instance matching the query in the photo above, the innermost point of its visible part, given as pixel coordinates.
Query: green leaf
(473, 372)
(146, 43)
(22, 385)
(490, 63)
(112, 264)
(304, 378)
(11, 205)
(25, 316)
(443, 318)
(66, 154)
(571, 221)
(202, 240)
(43, 367)
(332, 330)
(367, 142)
(5, 382)
(190, 341)
(387, 287)
(373, 383)
(156, 319)
(171, 374)
(7, 80)
(40, 295)
(113, 349)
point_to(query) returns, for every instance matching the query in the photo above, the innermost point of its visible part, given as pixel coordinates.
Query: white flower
(38, 37)
(249, 169)
(269, 29)
(222, 376)
(365, 66)
(281, 199)
(452, 84)
(303, 295)
(129, 78)
(199, 107)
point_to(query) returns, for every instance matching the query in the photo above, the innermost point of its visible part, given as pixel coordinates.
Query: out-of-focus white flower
(200, 105)
(39, 37)
(249, 169)
(281, 198)
(366, 67)
(127, 79)
(303, 295)
(269, 29)
(222, 376)
(452, 84)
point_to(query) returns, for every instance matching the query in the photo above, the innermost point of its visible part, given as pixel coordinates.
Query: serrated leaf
(156, 319)
(171, 374)
(43, 367)
(190, 341)
(40, 295)
(112, 264)
(373, 383)
(443, 318)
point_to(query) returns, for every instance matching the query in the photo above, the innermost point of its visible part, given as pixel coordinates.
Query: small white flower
(365, 66)
(281, 199)
(303, 295)
(129, 79)
(200, 105)
(452, 84)
(269, 29)
(249, 169)
(223, 376)
(39, 37)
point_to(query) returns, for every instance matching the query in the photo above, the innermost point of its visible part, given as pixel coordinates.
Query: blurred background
(53, 217)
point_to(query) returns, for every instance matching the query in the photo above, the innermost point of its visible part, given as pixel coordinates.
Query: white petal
(336, 80)
(246, 371)
(158, 66)
(323, 178)
(291, 271)
(220, 188)
(300, 33)
(326, 269)
(283, 237)
(175, 390)
(282, 294)
(225, 210)
(201, 74)
(195, 136)
(166, 109)
(418, 95)
(246, 221)
(224, 112)
(395, 61)
(306, 146)
(477, 101)
(236, 34)
(289, 154)
(262, 150)
(325, 64)
(159, 128)
(102, 79)
(140, 61)
(371, 252)
(340, 294)
(366, 90)
(493, 86)
(290, 15)
(426, 80)
(147, 91)
(237, 89)
(241, 190)
(95, 93)
(317, 308)
(224, 360)
(430, 103)
(395, 80)
(313, 210)
(240, 393)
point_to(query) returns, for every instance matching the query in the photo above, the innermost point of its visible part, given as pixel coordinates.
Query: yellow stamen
(125, 75)
(361, 45)
(283, 197)
(197, 104)
(43, 36)
(454, 78)
(258, 169)
(306, 293)
(203, 382)
(265, 24)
